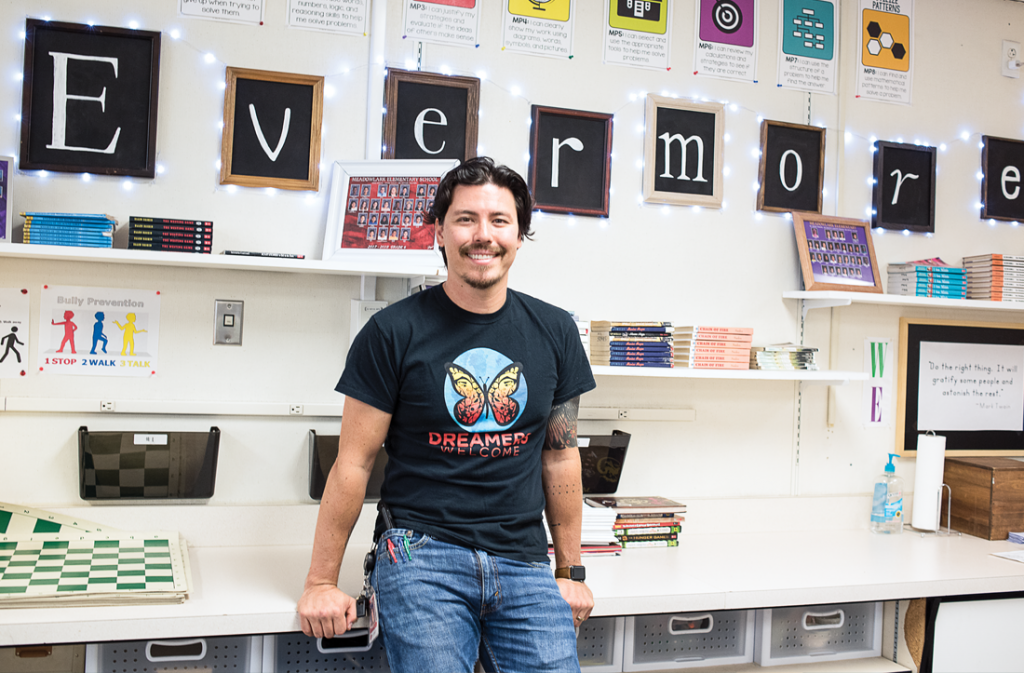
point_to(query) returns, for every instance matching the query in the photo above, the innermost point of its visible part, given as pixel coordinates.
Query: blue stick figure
(97, 333)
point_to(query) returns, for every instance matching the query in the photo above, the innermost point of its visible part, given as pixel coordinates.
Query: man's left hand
(579, 598)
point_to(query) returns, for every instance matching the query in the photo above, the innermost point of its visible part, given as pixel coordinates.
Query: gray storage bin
(816, 633)
(687, 640)
(222, 654)
(599, 644)
(299, 653)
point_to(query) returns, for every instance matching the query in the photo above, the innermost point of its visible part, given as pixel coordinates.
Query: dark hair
(483, 171)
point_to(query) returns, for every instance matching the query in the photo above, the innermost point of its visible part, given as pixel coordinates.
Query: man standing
(474, 390)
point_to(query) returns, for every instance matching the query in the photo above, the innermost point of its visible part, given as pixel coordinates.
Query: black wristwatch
(574, 573)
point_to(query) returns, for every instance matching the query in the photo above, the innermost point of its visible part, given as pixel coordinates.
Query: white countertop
(253, 589)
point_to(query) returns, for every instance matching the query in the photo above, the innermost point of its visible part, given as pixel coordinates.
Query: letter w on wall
(878, 389)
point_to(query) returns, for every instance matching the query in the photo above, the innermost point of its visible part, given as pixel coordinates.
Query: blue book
(80, 216)
(73, 244)
(91, 224)
(631, 364)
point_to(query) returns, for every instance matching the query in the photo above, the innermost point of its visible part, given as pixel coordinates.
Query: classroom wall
(750, 439)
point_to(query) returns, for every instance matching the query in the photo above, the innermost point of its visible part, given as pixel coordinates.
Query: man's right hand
(326, 611)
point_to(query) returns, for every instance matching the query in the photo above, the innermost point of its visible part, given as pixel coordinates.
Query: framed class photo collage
(388, 213)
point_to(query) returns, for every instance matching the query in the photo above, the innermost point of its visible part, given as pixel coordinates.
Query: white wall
(750, 439)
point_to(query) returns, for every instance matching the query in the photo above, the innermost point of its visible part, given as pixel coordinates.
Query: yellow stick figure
(130, 330)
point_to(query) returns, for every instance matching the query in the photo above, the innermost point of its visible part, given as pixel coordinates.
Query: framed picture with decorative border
(683, 152)
(903, 195)
(89, 99)
(1002, 183)
(272, 126)
(836, 253)
(570, 160)
(6, 201)
(430, 116)
(792, 168)
(378, 211)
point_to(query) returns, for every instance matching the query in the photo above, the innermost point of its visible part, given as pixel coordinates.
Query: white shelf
(371, 267)
(829, 299)
(831, 378)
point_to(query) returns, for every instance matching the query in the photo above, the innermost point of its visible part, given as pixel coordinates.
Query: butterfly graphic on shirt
(497, 400)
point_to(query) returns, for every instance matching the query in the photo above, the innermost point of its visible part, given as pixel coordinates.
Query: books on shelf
(713, 347)
(170, 234)
(927, 278)
(650, 521)
(784, 357)
(596, 535)
(85, 230)
(631, 344)
(995, 277)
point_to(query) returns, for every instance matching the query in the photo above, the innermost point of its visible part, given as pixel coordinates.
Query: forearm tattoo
(561, 432)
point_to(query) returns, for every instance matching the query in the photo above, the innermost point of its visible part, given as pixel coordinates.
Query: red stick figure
(69, 331)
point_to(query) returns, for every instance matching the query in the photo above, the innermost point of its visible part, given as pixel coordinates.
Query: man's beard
(481, 283)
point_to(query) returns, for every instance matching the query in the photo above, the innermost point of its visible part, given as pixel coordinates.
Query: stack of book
(82, 230)
(995, 277)
(631, 344)
(584, 329)
(597, 537)
(162, 233)
(783, 357)
(700, 347)
(644, 521)
(927, 278)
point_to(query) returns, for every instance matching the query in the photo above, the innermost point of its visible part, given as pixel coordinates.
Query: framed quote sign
(683, 152)
(963, 380)
(272, 123)
(1002, 164)
(570, 160)
(836, 253)
(89, 99)
(378, 211)
(792, 168)
(430, 116)
(903, 196)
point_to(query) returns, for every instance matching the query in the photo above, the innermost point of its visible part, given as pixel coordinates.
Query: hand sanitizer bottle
(887, 504)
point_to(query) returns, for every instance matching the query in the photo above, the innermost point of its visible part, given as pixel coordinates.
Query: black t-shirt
(470, 396)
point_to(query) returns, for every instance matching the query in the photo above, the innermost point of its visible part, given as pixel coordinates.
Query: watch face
(577, 573)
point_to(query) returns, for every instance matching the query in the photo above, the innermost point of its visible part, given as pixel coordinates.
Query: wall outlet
(1010, 57)
(108, 406)
(295, 409)
(623, 414)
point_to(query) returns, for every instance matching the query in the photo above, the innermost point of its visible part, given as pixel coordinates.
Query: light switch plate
(227, 323)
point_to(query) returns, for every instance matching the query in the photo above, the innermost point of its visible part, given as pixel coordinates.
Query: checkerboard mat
(128, 471)
(41, 567)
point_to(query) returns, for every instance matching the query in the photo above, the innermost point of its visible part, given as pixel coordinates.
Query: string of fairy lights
(515, 91)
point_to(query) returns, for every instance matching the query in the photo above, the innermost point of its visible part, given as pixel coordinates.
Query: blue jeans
(443, 606)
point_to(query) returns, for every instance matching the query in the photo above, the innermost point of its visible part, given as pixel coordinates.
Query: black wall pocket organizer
(147, 465)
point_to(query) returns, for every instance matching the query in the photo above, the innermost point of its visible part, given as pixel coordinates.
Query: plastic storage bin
(226, 654)
(816, 633)
(599, 644)
(676, 641)
(299, 653)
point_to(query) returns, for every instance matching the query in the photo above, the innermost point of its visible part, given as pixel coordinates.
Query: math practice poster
(726, 41)
(14, 332)
(347, 17)
(638, 34)
(539, 28)
(443, 21)
(232, 11)
(808, 33)
(885, 70)
(98, 331)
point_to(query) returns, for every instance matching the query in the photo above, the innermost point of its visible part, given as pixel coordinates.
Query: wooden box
(987, 494)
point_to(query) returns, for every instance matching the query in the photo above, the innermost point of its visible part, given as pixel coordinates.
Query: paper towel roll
(931, 456)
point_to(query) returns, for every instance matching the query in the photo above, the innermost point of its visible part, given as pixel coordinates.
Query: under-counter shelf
(831, 378)
(371, 267)
(813, 300)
